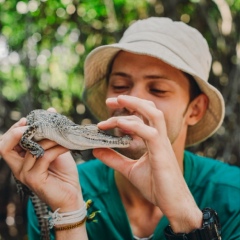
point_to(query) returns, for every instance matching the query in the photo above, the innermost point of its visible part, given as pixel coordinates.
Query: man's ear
(197, 109)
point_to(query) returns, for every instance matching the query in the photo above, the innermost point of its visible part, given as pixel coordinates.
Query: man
(155, 85)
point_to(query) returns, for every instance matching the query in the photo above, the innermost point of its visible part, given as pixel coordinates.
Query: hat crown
(187, 42)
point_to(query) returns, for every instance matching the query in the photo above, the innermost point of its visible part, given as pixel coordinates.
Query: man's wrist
(210, 229)
(73, 203)
(189, 220)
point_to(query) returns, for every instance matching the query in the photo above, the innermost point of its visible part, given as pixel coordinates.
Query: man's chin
(136, 149)
(130, 153)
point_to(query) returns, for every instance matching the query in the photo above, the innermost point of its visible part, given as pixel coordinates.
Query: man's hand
(157, 173)
(53, 177)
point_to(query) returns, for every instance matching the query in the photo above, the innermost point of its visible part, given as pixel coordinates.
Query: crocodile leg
(26, 142)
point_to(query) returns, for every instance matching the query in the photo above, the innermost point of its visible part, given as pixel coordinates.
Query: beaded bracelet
(71, 226)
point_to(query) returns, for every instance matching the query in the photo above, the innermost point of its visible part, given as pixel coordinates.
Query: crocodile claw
(37, 152)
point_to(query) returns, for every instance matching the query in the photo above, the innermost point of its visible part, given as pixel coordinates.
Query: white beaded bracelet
(56, 218)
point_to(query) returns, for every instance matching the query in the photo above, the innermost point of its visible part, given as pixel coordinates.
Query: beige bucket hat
(175, 43)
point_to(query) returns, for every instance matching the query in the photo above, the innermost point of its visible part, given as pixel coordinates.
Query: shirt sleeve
(229, 211)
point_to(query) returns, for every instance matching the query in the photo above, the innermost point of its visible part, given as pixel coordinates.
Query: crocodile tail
(41, 211)
(22, 189)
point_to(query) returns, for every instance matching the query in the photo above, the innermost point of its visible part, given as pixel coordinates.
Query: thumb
(114, 160)
(51, 109)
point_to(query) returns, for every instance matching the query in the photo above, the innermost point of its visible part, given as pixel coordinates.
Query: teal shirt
(212, 183)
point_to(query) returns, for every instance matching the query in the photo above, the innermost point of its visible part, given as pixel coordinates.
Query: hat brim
(94, 95)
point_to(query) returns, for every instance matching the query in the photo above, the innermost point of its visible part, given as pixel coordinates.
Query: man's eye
(155, 90)
(120, 87)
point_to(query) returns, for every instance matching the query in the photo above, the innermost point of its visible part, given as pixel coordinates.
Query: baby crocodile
(43, 124)
(58, 128)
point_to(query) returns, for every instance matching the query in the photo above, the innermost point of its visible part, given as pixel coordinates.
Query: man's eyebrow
(147, 76)
(122, 74)
(156, 76)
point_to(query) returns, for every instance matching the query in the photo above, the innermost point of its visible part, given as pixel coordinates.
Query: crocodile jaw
(90, 136)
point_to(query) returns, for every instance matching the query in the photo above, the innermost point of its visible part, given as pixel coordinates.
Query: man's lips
(125, 132)
(123, 112)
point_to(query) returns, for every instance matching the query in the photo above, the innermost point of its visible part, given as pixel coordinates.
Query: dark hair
(194, 89)
(109, 67)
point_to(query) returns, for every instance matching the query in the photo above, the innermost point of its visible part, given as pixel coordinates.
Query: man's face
(151, 79)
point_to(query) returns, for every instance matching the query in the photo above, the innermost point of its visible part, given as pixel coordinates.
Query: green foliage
(43, 45)
(47, 42)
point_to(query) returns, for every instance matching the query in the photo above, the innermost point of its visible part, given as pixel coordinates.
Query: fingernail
(111, 99)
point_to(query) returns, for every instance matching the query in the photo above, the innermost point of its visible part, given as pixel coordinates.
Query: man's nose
(137, 91)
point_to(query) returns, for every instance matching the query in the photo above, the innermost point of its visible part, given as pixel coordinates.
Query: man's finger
(51, 109)
(114, 160)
